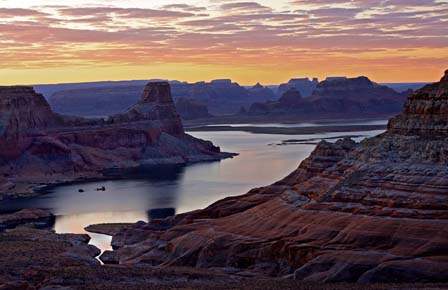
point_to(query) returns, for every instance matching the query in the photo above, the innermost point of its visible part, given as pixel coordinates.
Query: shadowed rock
(40, 146)
(370, 212)
(336, 98)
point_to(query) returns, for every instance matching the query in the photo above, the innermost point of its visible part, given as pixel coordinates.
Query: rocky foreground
(38, 146)
(373, 212)
(34, 258)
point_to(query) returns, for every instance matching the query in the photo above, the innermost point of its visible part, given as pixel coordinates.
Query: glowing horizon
(267, 41)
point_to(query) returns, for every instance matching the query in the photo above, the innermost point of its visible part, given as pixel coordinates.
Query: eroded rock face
(38, 145)
(425, 112)
(21, 110)
(370, 212)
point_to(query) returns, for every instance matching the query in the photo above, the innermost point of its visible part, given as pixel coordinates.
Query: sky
(267, 41)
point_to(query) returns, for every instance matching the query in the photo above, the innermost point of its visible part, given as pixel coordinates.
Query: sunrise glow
(268, 41)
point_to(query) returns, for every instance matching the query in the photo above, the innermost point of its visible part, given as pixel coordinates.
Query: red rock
(39, 145)
(370, 212)
(26, 216)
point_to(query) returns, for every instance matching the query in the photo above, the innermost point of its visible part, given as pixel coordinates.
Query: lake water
(314, 124)
(180, 189)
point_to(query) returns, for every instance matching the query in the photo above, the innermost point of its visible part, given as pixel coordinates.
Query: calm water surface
(179, 189)
(315, 124)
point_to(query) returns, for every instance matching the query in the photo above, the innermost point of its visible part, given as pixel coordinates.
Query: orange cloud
(393, 41)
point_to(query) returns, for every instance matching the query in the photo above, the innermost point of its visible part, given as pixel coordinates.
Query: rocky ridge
(370, 212)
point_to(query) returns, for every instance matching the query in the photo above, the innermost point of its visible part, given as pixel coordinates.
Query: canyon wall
(370, 212)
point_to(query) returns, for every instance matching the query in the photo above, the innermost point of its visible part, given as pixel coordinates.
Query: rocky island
(38, 146)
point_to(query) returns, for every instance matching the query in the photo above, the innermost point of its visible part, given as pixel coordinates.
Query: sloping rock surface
(370, 212)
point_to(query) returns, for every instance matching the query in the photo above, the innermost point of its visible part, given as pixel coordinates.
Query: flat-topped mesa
(156, 104)
(157, 92)
(360, 87)
(425, 111)
(21, 110)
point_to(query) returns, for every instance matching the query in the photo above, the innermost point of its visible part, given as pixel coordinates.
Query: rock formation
(304, 85)
(36, 217)
(40, 259)
(260, 92)
(38, 145)
(289, 100)
(190, 109)
(292, 97)
(370, 212)
(220, 97)
(339, 98)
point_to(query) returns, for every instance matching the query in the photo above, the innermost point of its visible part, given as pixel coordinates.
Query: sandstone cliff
(40, 146)
(370, 212)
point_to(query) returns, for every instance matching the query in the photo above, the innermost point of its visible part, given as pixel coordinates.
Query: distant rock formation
(340, 98)
(190, 109)
(225, 97)
(304, 85)
(372, 212)
(220, 97)
(40, 146)
(260, 92)
(291, 97)
(289, 100)
(330, 79)
(95, 101)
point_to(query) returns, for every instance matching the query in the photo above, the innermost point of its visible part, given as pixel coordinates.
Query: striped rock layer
(370, 212)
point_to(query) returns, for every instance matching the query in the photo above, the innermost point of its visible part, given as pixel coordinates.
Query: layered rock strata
(40, 259)
(40, 146)
(370, 212)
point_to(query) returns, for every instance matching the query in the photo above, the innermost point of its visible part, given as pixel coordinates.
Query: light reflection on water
(180, 188)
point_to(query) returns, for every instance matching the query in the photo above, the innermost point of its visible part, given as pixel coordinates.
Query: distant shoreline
(288, 130)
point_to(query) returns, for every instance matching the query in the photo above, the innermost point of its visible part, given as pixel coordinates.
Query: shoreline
(39, 187)
(28, 189)
(309, 130)
(256, 120)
